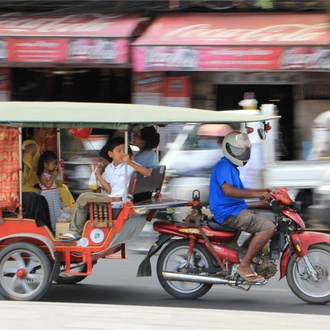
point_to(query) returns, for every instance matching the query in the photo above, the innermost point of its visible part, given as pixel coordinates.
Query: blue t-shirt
(147, 158)
(221, 205)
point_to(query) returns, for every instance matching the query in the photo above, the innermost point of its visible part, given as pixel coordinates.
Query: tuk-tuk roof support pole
(126, 181)
(20, 173)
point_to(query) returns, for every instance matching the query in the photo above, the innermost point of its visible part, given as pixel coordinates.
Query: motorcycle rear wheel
(173, 259)
(304, 287)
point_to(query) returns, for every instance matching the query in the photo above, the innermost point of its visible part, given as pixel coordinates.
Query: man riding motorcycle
(227, 204)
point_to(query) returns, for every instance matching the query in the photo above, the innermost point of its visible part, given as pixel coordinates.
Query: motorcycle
(200, 252)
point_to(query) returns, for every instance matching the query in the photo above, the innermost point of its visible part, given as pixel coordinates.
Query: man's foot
(249, 275)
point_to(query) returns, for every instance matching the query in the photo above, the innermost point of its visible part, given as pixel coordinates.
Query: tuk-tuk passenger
(112, 181)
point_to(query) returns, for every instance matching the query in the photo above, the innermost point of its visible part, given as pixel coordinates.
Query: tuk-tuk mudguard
(304, 240)
(50, 245)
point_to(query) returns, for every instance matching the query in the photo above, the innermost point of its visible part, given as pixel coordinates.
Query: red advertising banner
(177, 92)
(76, 38)
(148, 88)
(37, 50)
(71, 25)
(205, 58)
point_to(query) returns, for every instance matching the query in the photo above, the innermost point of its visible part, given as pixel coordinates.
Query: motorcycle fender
(145, 266)
(301, 242)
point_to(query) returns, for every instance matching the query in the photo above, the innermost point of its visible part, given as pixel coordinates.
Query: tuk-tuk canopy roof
(111, 115)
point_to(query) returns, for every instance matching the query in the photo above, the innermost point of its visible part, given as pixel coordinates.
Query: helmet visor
(242, 154)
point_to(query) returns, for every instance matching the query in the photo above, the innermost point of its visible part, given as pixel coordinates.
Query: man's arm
(232, 191)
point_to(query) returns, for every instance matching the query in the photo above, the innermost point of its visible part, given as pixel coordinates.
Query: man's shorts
(251, 222)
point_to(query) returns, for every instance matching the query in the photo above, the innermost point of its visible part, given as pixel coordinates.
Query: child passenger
(112, 181)
(47, 171)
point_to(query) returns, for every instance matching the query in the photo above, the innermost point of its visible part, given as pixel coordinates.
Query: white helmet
(236, 148)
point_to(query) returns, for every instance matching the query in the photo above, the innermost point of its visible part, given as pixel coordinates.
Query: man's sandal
(249, 277)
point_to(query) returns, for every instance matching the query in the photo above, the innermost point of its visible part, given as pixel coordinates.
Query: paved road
(113, 298)
(115, 282)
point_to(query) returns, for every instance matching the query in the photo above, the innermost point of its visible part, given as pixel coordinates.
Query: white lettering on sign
(71, 23)
(298, 58)
(3, 50)
(280, 33)
(185, 58)
(93, 49)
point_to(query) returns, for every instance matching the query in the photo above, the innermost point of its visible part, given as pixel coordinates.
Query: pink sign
(205, 58)
(238, 29)
(74, 25)
(37, 50)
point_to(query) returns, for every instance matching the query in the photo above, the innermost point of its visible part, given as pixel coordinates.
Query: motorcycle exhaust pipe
(170, 276)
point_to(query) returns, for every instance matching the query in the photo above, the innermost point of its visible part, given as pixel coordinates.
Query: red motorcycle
(202, 253)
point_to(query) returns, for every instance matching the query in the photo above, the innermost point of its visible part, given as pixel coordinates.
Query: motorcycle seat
(217, 226)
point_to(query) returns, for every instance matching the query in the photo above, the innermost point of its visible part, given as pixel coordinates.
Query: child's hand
(99, 172)
(126, 158)
(92, 167)
(56, 172)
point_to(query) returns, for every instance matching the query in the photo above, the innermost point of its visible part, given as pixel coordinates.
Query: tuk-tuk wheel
(72, 279)
(25, 272)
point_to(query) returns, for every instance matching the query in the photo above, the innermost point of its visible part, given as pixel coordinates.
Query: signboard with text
(85, 38)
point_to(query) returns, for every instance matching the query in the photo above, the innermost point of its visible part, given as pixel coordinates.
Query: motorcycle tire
(304, 287)
(172, 259)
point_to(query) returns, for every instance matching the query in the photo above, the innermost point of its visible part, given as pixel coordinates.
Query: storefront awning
(234, 41)
(89, 38)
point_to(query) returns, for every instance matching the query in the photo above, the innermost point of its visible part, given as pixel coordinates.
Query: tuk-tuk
(31, 257)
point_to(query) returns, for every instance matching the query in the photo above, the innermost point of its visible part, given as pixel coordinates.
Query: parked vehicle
(32, 257)
(200, 252)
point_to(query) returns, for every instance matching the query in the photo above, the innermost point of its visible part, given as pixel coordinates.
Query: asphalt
(45, 315)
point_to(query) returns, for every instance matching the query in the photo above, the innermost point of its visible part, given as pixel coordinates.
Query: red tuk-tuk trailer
(31, 257)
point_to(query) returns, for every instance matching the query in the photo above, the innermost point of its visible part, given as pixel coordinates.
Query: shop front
(66, 58)
(273, 56)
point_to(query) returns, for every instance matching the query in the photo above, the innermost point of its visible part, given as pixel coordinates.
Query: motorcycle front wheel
(174, 258)
(301, 284)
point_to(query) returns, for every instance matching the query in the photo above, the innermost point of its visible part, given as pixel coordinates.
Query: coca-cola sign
(3, 50)
(284, 33)
(305, 58)
(92, 50)
(238, 29)
(92, 24)
(205, 58)
(181, 58)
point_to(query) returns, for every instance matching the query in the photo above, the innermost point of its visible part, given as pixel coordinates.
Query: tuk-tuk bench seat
(100, 207)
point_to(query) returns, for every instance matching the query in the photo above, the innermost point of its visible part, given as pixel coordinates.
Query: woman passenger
(35, 206)
(147, 140)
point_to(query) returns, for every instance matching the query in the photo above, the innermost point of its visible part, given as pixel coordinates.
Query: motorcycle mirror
(262, 133)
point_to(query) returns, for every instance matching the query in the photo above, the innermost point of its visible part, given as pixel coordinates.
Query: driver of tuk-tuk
(112, 181)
